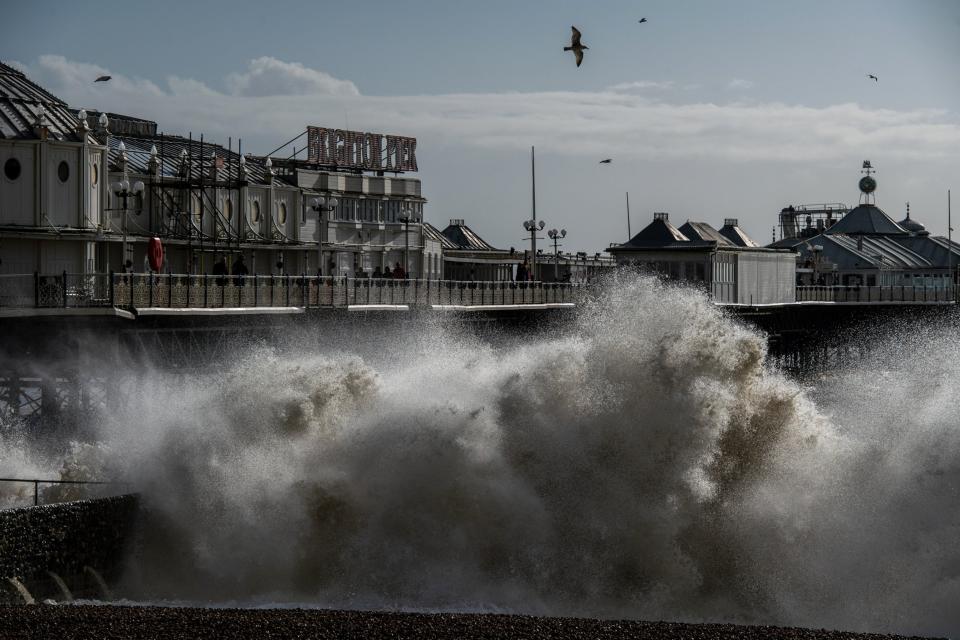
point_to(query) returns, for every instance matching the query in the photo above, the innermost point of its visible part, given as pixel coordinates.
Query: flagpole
(629, 234)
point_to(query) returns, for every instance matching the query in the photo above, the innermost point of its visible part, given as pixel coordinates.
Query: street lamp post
(321, 205)
(123, 189)
(533, 226)
(555, 236)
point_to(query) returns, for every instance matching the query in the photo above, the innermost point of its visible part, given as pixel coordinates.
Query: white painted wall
(58, 256)
(17, 205)
(63, 208)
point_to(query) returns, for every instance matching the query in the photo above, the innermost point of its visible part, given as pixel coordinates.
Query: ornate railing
(878, 295)
(61, 290)
(183, 291)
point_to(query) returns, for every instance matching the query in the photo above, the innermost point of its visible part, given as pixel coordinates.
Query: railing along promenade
(893, 294)
(182, 291)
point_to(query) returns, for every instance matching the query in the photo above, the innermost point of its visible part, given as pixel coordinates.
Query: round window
(255, 211)
(11, 168)
(94, 173)
(63, 171)
(282, 215)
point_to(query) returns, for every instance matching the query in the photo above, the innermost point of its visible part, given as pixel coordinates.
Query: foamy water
(644, 463)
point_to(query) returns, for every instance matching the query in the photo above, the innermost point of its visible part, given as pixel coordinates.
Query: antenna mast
(629, 234)
(533, 234)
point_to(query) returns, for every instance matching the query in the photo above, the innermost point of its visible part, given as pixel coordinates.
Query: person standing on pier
(220, 270)
(522, 272)
(399, 273)
(239, 269)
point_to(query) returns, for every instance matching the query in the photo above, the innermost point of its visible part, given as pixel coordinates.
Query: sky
(709, 110)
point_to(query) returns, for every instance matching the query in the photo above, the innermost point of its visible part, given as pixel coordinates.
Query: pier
(132, 295)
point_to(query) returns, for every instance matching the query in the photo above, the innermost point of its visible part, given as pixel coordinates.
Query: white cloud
(642, 85)
(268, 76)
(186, 87)
(614, 121)
(66, 77)
(739, 83)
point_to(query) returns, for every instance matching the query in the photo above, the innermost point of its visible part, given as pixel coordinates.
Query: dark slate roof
(463, 237)
(659, 233)
(703, 231)
(910, 252)
(21, 104)
(169, 149)
(866, 219)
(786, 243)
(936, 249)
(877, 249)
(737, 236)
(434, 234)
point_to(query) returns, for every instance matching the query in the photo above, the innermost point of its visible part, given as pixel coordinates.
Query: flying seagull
(575, 45)
(102, 79)
(642, 20)
(606, 161)
(872, 77)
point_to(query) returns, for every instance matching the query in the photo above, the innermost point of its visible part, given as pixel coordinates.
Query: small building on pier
(865, 247)
(731, 273)
(467, 256)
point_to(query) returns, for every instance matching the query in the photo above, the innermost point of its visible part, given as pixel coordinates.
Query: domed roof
(912, 225)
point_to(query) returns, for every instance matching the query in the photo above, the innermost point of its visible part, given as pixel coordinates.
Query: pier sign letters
(361, 150)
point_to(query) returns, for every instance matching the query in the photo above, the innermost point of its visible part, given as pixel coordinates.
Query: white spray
(644, 464)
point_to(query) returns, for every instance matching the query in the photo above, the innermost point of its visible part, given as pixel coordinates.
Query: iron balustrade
(182, 291)
(877, 294)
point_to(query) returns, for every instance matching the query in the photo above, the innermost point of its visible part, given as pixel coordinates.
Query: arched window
(228, 209)
(94, 173)
(197, 210)
(63, 171)
(255, 211)
(282, 213)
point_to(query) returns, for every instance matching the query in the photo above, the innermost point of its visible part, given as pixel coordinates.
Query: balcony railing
(878, 295)
(182, 291)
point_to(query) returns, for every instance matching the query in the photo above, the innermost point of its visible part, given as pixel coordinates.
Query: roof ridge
(49, 97)
(5, 68)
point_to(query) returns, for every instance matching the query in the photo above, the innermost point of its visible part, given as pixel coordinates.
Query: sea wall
(80, 542)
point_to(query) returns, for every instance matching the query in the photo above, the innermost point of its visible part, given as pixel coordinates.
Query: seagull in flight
(642, 20)
(873, 77)
(103, 78)
(575, 45)
(606, 161)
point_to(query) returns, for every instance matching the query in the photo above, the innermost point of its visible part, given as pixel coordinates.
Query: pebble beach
(75, 622)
